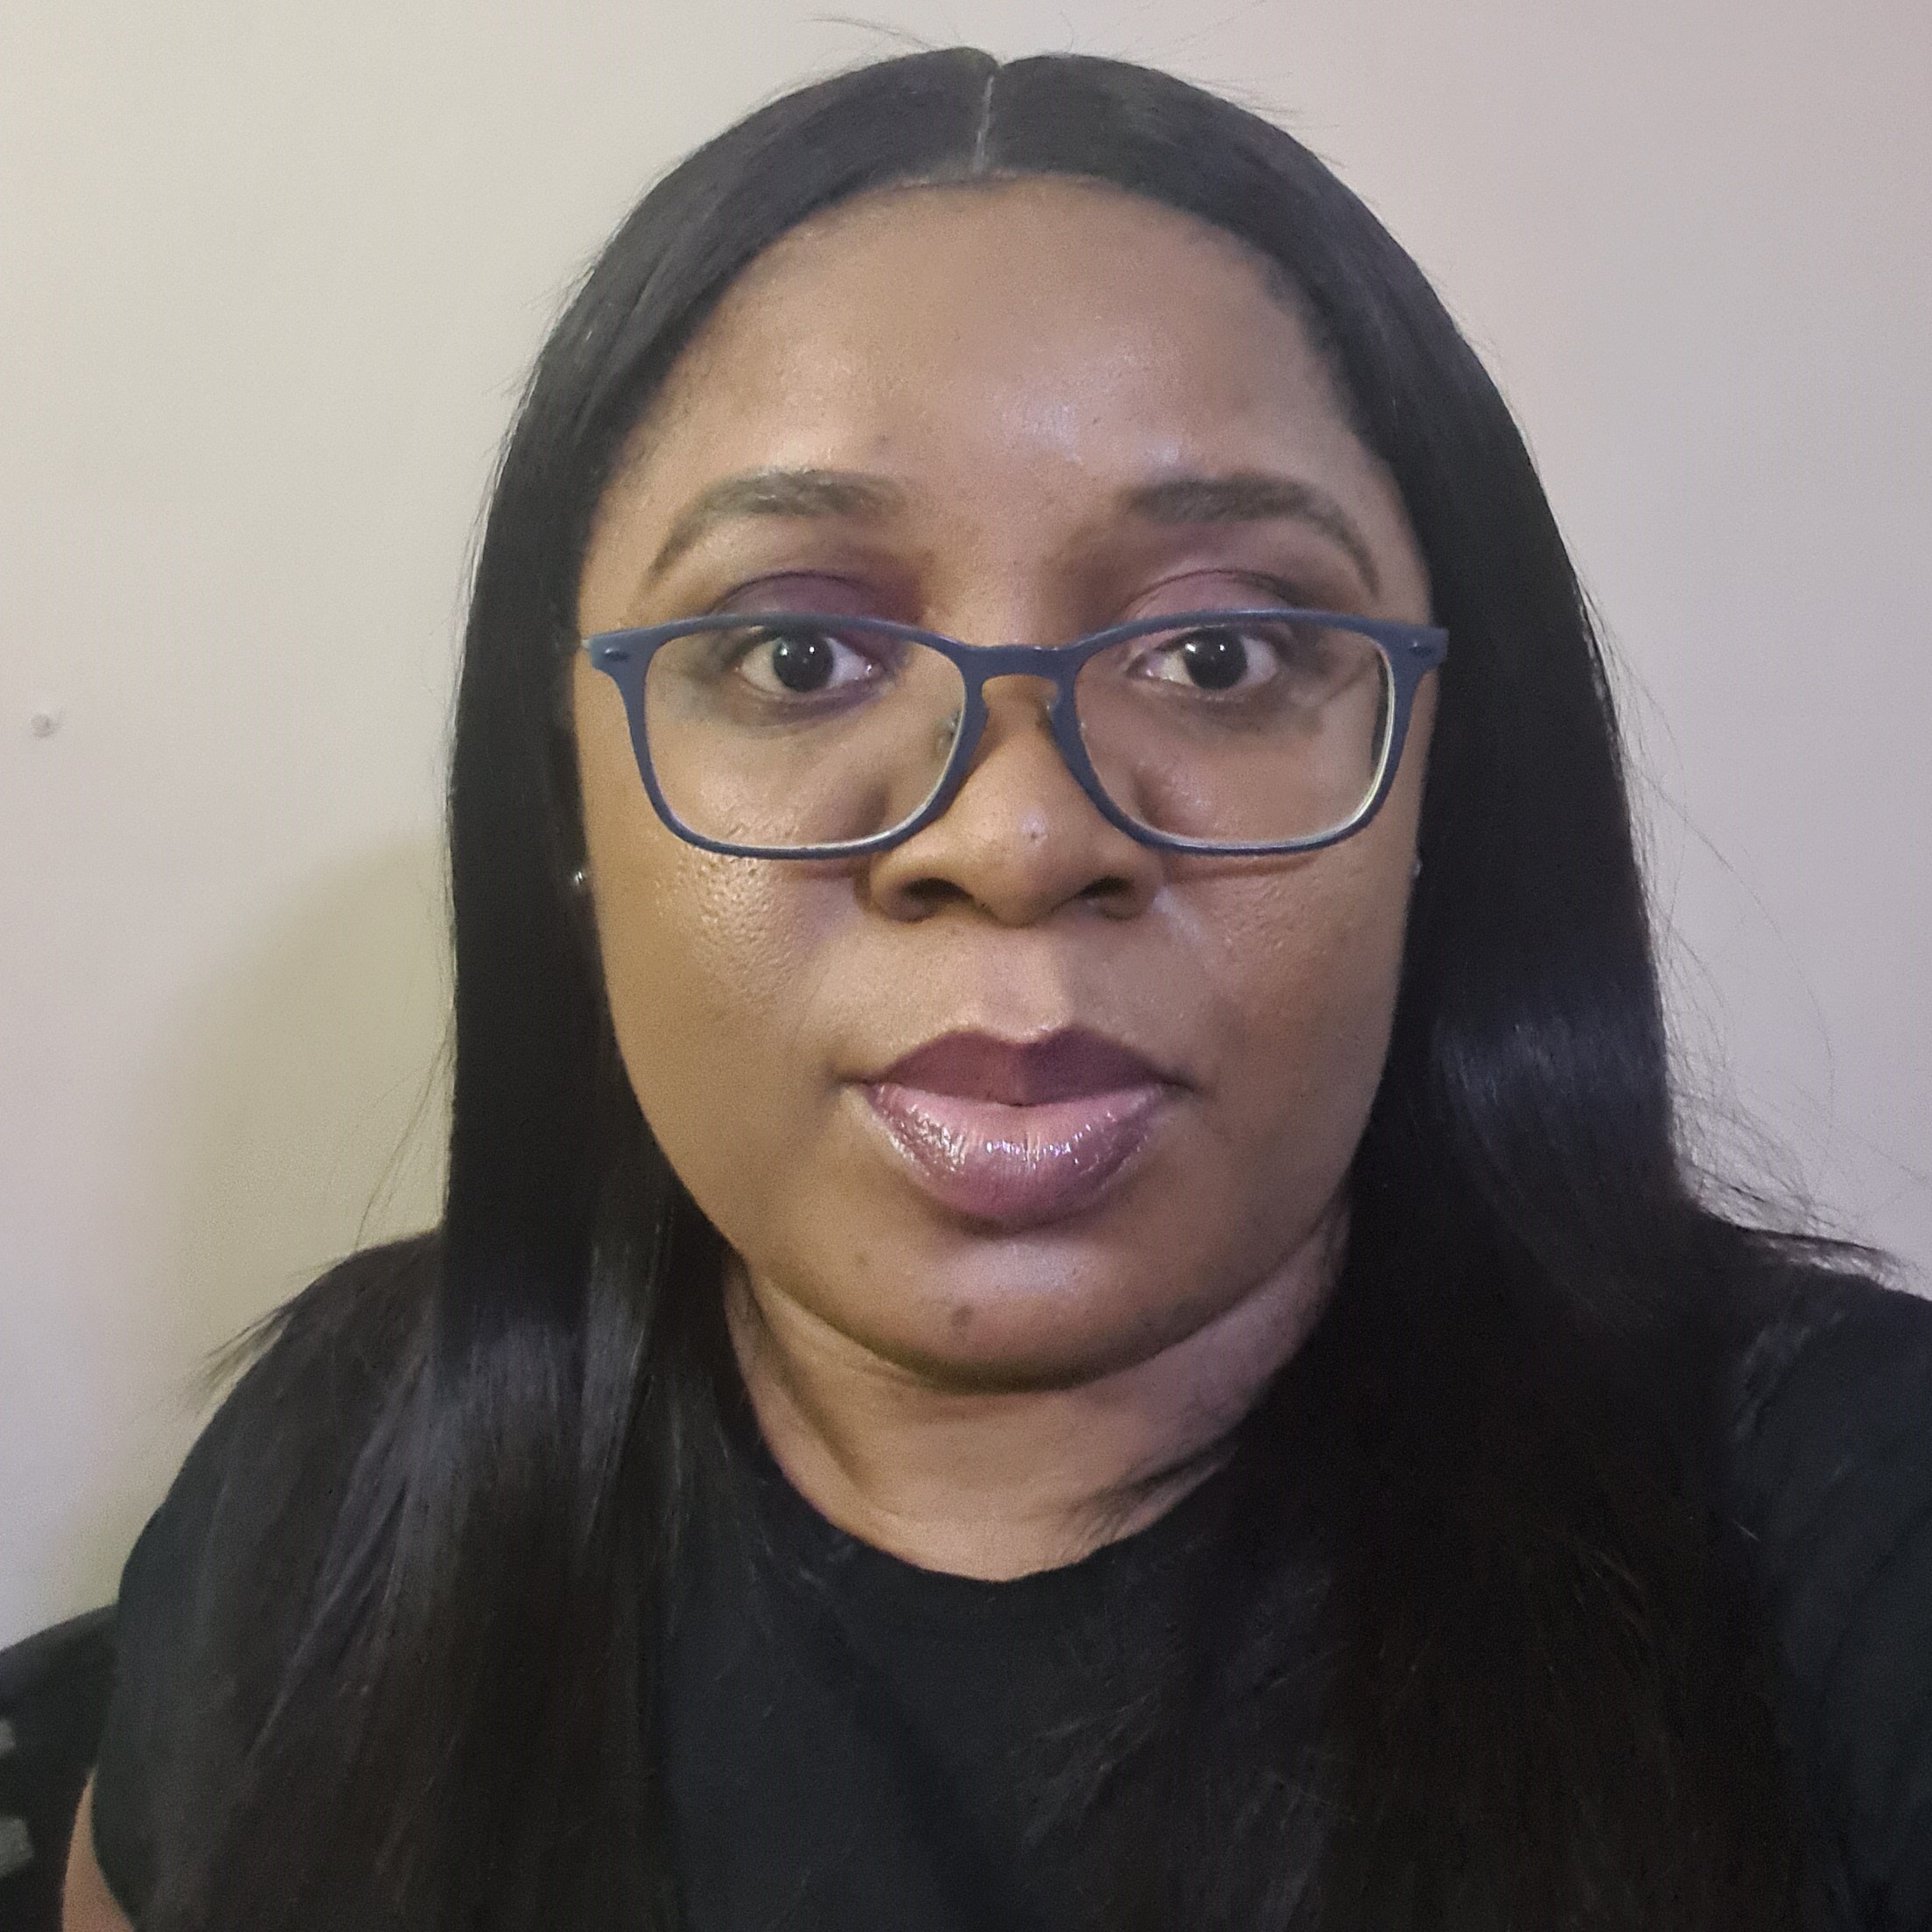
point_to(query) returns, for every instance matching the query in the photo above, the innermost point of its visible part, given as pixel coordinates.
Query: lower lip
(1015, 1167)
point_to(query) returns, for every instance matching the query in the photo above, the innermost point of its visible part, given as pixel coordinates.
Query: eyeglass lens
(1247, 732)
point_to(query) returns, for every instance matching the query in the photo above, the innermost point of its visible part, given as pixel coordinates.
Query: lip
(1017, 1134)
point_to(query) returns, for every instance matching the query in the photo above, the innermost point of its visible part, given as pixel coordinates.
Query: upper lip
(1059, 1066)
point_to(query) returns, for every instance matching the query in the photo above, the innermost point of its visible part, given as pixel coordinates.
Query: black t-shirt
(847, 1735)
(852, 1741)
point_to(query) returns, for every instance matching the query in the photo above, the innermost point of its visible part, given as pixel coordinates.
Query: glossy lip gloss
(1017, 1134)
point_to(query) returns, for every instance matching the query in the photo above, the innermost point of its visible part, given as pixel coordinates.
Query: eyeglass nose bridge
(1053, 665)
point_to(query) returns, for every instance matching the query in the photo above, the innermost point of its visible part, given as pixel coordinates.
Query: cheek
(1305, 971)
(709, 967)
(1310, 966)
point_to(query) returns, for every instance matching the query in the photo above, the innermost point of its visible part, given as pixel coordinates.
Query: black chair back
(53, 1701)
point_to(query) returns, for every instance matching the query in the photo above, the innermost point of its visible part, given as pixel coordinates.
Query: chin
(1048, 1339)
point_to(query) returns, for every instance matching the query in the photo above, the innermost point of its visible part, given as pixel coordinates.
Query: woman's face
(1163, 1062)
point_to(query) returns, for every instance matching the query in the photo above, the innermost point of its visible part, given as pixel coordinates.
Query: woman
(1067, 1295)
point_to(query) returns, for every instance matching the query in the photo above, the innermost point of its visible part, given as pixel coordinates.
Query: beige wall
(269, 274)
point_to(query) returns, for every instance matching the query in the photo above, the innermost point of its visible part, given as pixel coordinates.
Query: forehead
(1014, 352)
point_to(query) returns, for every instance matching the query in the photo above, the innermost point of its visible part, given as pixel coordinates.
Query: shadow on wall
(299, 1110)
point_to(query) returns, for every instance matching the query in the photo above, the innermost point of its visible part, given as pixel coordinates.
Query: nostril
(1114, 893)
(921, 897)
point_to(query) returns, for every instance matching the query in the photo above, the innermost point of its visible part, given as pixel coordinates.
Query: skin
(85, 1903)
(1013, 357)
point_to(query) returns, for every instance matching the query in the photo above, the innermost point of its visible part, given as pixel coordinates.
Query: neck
(996, 1482)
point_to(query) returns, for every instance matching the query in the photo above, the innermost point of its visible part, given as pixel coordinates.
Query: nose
(1020, 839)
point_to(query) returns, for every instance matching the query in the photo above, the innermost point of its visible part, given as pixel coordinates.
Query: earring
(1415, 866)
(580, 880)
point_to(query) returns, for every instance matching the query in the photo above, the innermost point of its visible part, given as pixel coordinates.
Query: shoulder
(1832, 1427)
(219, 1581)
(263, 1481)
(1832, 1458)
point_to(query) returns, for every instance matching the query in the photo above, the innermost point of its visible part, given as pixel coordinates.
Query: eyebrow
(776, 493)
(1242, 496)
(1252, 496)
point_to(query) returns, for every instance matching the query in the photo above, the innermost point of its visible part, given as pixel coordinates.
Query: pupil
(801, 663)
(1214, 659)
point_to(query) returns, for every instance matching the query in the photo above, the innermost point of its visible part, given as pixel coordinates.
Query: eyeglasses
(802, 735)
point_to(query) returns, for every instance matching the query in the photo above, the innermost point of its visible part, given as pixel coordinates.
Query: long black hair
(438, 1609)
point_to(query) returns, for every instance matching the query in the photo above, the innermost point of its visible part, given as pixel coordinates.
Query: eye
(1216, 657)
(800, 662)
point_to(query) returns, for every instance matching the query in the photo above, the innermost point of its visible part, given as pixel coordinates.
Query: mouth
(1016, 1134)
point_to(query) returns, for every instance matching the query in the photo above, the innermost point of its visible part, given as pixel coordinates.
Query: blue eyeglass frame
(1411, 651)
